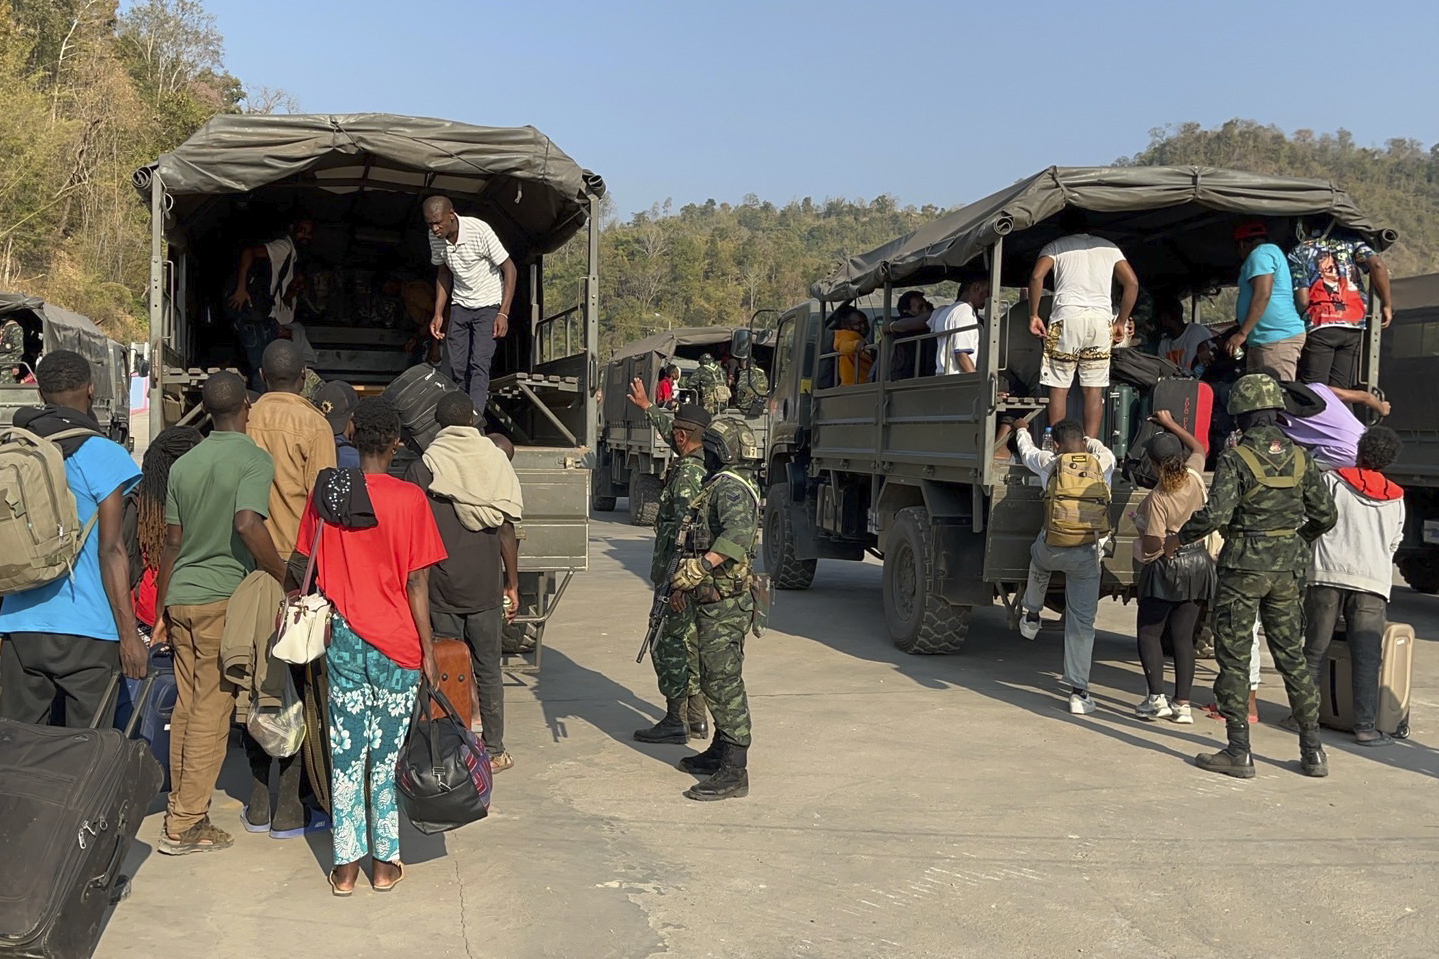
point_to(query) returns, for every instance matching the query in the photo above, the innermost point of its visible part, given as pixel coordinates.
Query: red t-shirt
(665, 391)
(363, 571)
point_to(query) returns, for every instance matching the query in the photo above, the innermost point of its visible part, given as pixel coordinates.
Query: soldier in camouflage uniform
(709, 384)
(717, 578)
(750, 385)
(12, 351)
(1270, 503)
(676, 652)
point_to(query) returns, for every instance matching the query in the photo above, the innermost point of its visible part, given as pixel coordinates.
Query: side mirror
(740, 343)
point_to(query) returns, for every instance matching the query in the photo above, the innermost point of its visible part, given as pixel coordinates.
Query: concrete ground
(900, 807)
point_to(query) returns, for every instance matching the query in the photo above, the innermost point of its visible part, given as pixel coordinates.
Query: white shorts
(1079, 341)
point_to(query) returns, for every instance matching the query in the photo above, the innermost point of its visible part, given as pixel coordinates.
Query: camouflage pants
(676, 655)
(722, 627)
(1278, 599)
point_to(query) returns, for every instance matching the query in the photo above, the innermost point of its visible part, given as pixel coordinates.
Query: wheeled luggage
(1336, 690)
(153, 726)
(1190, 402)
(415, 393)
(71, 801)
(457, 681)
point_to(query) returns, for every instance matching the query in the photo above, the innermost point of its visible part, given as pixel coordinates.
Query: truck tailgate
(555, 531)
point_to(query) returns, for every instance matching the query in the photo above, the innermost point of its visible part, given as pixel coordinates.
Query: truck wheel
(600, 504)
(779, 559)
(919, 621)
(644, 498)
(1421, 572)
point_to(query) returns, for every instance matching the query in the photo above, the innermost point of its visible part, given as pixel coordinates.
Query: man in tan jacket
(297, 436)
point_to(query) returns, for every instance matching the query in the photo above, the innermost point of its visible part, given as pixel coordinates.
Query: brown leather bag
(452, 657)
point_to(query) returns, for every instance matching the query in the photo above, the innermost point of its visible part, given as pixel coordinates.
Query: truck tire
(784, 569)
(1421, 572)
(919, 622)
(598, 481)
(644, 498)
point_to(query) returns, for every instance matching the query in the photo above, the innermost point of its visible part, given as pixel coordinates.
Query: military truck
(361, 179)
(914, 470)
(50, 327)
(1411, 364)
(631, 458)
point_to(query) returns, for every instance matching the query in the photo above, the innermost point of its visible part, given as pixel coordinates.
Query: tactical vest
(1268, 484)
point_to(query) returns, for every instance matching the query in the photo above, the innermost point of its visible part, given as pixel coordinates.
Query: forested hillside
(88, 94)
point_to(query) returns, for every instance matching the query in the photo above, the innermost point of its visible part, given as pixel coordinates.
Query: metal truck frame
(907, 470)
(339, 170)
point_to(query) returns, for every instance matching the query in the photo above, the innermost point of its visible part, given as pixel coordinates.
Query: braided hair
(170, 445)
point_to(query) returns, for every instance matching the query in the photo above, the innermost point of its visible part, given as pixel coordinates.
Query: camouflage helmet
(706, 359)
(732, 441)
(1255, 391)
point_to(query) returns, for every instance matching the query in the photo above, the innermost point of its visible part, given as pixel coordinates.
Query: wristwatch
(705, 562)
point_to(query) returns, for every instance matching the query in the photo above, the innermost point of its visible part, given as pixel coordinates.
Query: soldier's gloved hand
(689, 574)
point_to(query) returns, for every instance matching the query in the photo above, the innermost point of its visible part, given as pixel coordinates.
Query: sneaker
(1080, 703)
(1154, 707)
(1029, 625)
(1180, 713)
(500, 761)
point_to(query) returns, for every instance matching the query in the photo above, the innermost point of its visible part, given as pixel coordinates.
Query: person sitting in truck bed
(914, 315)
(1186, 345)
(665, 388)
(851, 342)
(955, 353)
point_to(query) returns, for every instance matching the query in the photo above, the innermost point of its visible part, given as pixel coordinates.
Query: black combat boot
(730, 782)
(1232, 761)
(671, 729)
(698, 718)
(1311, 753)
(706, 763)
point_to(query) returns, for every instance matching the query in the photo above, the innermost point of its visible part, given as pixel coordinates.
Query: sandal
(204, 836)
(1383, 739)
(398, 879)
(335, 886)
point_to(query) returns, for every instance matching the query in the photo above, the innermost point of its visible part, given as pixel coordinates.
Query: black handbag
(443, 776)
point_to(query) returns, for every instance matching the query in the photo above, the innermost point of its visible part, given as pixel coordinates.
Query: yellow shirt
(848, 343)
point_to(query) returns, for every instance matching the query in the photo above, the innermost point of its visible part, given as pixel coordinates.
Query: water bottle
(1047, 443)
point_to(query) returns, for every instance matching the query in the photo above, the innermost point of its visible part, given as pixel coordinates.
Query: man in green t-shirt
(215, 535)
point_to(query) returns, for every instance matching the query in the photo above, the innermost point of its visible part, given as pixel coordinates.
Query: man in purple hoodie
(1352, 570)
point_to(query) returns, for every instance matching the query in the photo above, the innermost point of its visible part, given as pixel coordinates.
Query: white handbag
(303, 632)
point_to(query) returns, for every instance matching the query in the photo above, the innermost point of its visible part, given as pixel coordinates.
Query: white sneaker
(1179, 713)
(1080, 704)
(1029, 625)
(1154, 707)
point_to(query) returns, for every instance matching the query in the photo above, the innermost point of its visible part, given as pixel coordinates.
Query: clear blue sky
(931, 102)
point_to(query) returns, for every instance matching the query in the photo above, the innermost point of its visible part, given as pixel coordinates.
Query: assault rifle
(660, 609)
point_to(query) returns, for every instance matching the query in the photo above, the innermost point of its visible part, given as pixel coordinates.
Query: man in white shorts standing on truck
(1082, 323)
(477, 274)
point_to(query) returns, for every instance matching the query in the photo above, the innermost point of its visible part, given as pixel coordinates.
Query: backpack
(1076, 501)
(1142, 370)
(40, 532)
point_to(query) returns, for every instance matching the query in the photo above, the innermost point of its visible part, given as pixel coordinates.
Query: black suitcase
(71, 801)
(415, 393)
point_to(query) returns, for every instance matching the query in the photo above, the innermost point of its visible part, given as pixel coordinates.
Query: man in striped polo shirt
(477, 277)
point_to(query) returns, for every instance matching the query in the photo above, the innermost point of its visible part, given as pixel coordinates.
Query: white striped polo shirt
(474, 259)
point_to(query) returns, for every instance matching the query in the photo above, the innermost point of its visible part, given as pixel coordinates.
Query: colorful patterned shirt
(1331, 269)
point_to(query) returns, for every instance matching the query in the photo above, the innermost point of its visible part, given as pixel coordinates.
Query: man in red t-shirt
(375, 550)
(665, 389)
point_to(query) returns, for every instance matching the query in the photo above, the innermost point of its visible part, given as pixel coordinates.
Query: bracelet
(505, 315)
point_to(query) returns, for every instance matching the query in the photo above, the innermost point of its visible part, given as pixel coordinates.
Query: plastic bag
(280, 730)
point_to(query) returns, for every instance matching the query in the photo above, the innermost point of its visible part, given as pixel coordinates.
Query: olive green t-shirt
(225, 474)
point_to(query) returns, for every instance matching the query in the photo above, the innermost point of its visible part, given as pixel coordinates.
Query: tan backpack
(40, 531)
(1076, 501)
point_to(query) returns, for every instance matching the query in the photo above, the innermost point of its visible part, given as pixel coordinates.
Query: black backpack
(1141, 370)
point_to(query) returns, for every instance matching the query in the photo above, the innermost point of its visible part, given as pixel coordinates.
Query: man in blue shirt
(1270, 327)
(69, 637)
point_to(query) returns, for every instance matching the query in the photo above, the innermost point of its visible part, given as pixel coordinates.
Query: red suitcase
(1190, 402)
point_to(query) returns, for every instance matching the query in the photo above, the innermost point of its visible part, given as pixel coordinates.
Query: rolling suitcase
(153, 725)
(1336, 696)
(415, 393)
(457, 681)
(71, 801)
(1189, 401)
